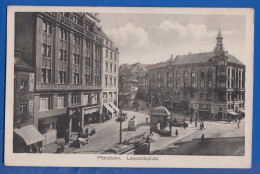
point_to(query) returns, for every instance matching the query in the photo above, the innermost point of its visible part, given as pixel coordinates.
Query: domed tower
(219, 50)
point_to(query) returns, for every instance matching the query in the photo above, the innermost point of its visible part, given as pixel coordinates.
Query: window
(192, 74)
(185, 84)
(88, 51)
(76, 60)
(192, 95)
(193, 84)
(75, 99)
(177, 84)
(23, 109)
(46, 51)
(111, 67)
(115, 68)
(106, 53)
(85, 99)
(114, 81)
(222, 73)
(186, 74)
(106, 80)
(202, 84)
(210, 84)
(115, 56)
(201, 96)
(233, 73)
(202, 74)
(62, 76)
(210, 73)
(111, 55)
(209, 96)
(45, 102)
(61, 101)
(177, 74)
(111, 84)
(228, 72)
(24, 83)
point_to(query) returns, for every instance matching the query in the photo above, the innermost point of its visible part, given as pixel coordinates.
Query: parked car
(132, 124)
(82, 140)
(179, 124)
(123, 117)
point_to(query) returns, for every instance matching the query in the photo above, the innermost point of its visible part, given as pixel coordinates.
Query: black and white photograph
(129, 85)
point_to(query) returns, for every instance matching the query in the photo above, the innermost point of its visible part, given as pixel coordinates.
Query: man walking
(238, 124)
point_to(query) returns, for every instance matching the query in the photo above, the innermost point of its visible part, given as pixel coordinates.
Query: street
(221, 138)
(109, 136)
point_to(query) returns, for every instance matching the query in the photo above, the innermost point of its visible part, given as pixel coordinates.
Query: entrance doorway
(75, 125)
(62, 125)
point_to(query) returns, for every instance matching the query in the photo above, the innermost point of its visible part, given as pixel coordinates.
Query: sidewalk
(100, 126)
(166, 141)
(52, 147)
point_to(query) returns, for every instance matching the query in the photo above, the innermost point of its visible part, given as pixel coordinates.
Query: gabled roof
(202, 57)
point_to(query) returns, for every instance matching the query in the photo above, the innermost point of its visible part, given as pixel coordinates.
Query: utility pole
(120, 130)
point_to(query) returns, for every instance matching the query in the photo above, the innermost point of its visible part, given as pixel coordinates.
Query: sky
(152, 38)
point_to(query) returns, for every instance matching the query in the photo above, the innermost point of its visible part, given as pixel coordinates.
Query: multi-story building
(211, 84)
(65, 49)
(110, 77)
(128, 86)
(23, 106)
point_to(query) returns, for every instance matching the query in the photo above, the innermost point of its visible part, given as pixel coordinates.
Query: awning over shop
(233, 113)
(242, 111)
(109, 108)
(114, 107)
(29, 134)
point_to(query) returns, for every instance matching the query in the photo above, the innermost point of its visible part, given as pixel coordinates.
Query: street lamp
(196, 114)
(120, 130)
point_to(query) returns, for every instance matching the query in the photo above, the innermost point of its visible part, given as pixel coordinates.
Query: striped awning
(29, 134)
(109, 108)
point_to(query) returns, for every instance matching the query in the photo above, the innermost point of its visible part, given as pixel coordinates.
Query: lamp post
(196, 114)
(120, 130)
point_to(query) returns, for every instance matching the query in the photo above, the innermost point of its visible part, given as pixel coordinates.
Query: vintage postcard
(129, 87)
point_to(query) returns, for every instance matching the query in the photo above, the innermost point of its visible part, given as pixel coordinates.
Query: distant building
(210, 85)
(65, 49)
(110, 77)
(128, 86)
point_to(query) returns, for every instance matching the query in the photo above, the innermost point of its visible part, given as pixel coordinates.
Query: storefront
(108, 110)
(27, 139)
(205, 114)
(91, 115)
(47, 127)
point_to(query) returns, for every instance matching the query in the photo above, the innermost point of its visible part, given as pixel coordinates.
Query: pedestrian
(202, 138)
(202, 125)
(238, 124)
(176, 132)
(191, 120)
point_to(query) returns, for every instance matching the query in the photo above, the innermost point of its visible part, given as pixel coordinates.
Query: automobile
(179, 124)
(132, 124)
(82, 140)
(123, 117)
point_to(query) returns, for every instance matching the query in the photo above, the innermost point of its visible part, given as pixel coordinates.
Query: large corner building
(66, 52)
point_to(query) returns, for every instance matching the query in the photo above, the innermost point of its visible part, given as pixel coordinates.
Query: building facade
(66, 51)
(110, 77)
(210, 85)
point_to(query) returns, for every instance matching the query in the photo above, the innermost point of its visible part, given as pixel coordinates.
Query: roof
(202, 57)
(161, 110)
(29, 134)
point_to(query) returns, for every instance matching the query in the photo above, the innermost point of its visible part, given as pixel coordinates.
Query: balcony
(65, 87)
(189, 88)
